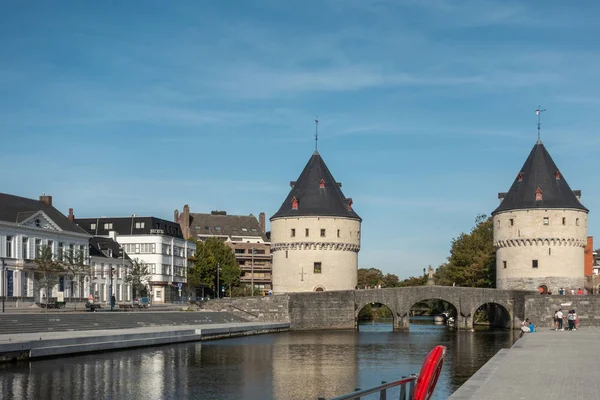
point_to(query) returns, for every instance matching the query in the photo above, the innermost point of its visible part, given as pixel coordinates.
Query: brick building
(243, 233)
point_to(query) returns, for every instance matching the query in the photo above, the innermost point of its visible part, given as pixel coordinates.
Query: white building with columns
(315, 235)
(108, 261)
(157, 242)
(25, 226)
(540, 229)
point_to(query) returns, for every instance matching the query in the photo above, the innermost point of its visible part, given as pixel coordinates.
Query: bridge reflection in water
(290, 365)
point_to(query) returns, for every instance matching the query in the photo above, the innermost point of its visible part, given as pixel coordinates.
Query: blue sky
(426, 108)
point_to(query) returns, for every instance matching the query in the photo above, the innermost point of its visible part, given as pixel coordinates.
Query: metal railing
(406, 384)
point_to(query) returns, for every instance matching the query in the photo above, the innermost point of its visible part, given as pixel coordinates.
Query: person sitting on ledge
(531, 327)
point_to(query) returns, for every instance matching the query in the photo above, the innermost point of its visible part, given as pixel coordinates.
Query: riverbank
(52, 344)
(548, 365)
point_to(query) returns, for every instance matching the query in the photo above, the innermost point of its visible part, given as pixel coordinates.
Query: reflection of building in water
(306, 366)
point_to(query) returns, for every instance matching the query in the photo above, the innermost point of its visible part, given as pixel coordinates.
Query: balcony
(257, 279)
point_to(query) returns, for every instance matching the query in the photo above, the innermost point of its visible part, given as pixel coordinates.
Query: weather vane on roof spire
(539, 112)
(316, 133)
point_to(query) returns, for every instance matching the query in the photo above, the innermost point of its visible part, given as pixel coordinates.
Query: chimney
(176, 216)
(261, 221)
(71, 216)
(47, 200)
(577, 194)
(186, 224)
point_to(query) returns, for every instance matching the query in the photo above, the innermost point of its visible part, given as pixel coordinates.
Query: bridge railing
(406, 385)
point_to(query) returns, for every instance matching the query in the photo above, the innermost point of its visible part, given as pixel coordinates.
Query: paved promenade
(49, 344)
(542, 365)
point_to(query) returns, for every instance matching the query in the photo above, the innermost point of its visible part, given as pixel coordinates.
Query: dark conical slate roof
(539, 172)
(314, 200)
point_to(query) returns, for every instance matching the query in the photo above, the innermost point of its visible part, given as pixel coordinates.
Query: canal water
(290, 365)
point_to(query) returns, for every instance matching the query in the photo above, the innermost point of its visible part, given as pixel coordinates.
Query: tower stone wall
(555, 238)
(295, 252)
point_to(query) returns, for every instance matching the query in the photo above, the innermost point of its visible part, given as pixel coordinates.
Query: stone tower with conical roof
(540, 229)
(315, 235)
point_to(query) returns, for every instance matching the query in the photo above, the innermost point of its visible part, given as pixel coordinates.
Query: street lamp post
(252, 274)
(3, 283)
(217, 285)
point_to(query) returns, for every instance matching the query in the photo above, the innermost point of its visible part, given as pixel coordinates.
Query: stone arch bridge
(339, 309)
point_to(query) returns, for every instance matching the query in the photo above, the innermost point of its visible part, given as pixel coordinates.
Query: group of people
(563, 291)
(571, 317)
(527, 326)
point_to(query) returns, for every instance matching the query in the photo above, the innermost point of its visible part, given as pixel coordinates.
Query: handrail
(382, 390)
(242, 310)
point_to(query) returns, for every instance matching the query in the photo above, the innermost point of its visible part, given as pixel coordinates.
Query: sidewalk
(49, 344)
(543, 365)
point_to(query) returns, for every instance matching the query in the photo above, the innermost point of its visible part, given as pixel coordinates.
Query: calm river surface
(290, 365)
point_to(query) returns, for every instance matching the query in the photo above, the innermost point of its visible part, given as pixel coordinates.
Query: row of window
(28, 253)
(534, 263)
(546, 221)
(108, 226)
(165, 269)
(218, 228)
(150, 248)
(256, 251)
(323, 233)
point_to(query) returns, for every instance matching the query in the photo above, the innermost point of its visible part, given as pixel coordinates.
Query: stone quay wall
(257, 308)
(541, 308)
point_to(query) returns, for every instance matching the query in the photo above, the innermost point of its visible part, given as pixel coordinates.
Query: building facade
(540, 229)
(156, 242)
(26, 225)
(315, 234)
(243, 233)
(108, 260)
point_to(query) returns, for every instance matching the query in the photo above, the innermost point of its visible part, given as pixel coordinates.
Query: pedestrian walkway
(49, 344)
(543, 365)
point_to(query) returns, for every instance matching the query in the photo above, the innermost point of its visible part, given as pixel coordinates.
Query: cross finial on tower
(539, 112)
(316, 133)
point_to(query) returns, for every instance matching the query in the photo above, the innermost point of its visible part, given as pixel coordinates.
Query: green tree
(75, 268)
(210, 254)
(369, 277)
(472, 260)
(138, 277)
(47, 271)
(390, 280)
(413, 281)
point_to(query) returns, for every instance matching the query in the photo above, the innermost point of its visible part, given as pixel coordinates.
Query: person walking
(575, 320)
(555, 320)
(559, 317)
(570, 320)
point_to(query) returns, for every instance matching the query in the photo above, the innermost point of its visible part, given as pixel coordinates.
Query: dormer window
(557, 175)
(350, 205)
(322, 184)
(520, 176)
(538, 194)
(294, 203)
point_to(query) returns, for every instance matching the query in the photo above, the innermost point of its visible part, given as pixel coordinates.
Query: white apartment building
(25, 226)
(156, 242)
(107, 259)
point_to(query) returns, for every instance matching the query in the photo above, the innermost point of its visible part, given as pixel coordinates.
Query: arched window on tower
(538, 194)
(294, 203)
(322, 184)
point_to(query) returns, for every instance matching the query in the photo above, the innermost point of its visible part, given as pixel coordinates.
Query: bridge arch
(403, 315)
(500, 313)
(360, 306)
